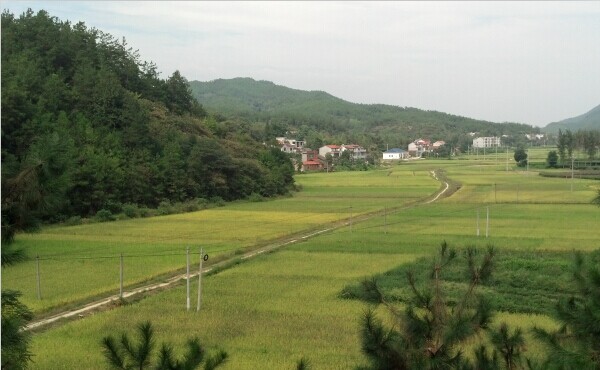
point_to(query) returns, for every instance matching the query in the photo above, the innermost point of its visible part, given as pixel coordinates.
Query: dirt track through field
(173, 281)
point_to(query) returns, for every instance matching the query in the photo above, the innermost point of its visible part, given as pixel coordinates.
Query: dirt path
(173, 281)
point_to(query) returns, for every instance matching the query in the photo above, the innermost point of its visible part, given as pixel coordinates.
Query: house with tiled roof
(394, 154)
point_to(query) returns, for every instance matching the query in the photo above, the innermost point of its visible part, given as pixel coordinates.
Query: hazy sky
(533, 63)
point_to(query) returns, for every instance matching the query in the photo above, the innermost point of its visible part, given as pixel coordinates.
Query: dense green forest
(319, 117)
(87, 126)
(586, 121)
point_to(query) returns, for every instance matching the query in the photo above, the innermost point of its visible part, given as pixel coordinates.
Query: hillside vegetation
(586, 121)
(317, 115)
(87, 126)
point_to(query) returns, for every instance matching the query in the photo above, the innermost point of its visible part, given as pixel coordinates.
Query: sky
(528, 62)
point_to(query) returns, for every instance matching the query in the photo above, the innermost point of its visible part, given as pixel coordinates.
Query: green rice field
(270, 311)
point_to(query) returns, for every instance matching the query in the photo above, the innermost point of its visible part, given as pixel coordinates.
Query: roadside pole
(37, 269)
(478, 223)
(121, 277)
(200, 280)
(187, 254)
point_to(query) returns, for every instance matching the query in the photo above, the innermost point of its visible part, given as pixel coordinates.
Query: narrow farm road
(113, 300)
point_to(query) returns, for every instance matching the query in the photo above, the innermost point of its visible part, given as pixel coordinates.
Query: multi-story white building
(356, 151)
(486, 142)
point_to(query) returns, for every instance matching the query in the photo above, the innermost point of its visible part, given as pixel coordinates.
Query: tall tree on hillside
(179, 96)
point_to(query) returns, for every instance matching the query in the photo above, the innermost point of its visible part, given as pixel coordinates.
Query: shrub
(217, 201)
(104, 215)
(165, 208)
(131, 210)
(255, 197)
(74, 220)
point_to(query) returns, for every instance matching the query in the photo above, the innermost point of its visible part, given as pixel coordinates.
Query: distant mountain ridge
(264, 100)
(586, 121)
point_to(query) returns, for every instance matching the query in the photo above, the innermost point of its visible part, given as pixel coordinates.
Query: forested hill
(265, 101)
(88, 126)
(587, 121)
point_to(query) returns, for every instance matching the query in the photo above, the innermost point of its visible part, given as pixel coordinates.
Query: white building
(334, 150)
(356, 151)
(395, 154)
(486, 142)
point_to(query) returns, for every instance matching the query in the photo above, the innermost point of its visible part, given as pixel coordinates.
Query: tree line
(587, 141)
(87, 126)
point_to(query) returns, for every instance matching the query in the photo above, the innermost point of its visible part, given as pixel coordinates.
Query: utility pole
(37, 269)
(477, 222)
(487, 223)
(507, 159)
(187, 301)
(517, 193)
(200, 280)
(121, 277)
(350, 218)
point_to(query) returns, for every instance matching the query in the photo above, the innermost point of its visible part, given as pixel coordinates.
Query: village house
(334, 150)
(356, 151)
(486, 142)
(290, 145)
(438, 144)
(418, 147)
(395, 154)
(311, 161)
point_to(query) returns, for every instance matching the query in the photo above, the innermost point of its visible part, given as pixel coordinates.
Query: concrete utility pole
(187, 301)
(121, 277)
(478, 222)
(37, 270)
(506, 159)
(200, 280)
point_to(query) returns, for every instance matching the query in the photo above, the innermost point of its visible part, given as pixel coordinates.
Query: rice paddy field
(83, 261)
(270, 311)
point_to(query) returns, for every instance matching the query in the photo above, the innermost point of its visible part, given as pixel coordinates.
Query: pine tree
(125, 354)
(576, 345)
(428, 333)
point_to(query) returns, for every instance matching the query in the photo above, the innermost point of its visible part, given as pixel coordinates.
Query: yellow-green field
(269, 311)
(78, 262)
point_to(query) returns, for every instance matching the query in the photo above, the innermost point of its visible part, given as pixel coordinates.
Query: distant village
(325, 157)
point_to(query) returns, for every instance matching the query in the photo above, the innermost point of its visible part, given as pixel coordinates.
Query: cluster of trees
(430, 332)
(88, 126)
(587, 141)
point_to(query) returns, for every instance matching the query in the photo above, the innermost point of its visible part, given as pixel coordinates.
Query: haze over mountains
(586, 121)
(264, 101)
